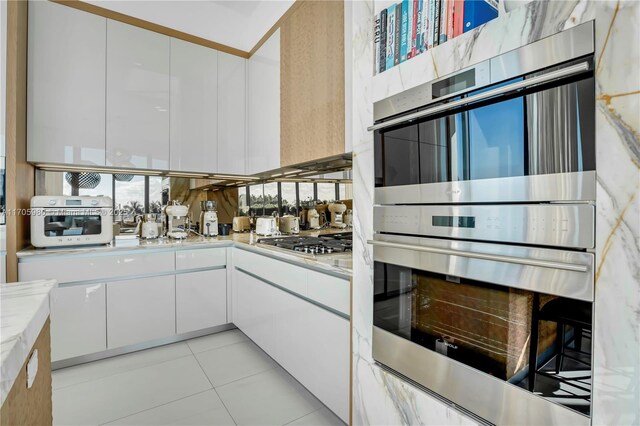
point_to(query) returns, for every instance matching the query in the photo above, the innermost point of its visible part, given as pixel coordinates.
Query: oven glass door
(547, 131)
(487, 327)
(59, 225)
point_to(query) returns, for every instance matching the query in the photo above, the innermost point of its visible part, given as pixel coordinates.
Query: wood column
(20, 176)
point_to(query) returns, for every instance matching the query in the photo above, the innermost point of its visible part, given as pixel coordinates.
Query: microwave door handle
(482, 256)
(553, 75)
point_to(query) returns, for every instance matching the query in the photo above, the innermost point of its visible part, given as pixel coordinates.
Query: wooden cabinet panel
(312, 83)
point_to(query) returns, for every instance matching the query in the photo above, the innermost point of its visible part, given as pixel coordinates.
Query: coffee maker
(337, 210)
(208, 219)
(177, 220)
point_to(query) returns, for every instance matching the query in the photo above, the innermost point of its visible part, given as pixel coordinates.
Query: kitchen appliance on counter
(322, 244)
(241, 224)
(313, 218)
(208, 218)
(69, 220)
(149, 227)
(337, 213)
(348, 217)
(266, 225)
(177, 217)
(484, 218)
(289, 224)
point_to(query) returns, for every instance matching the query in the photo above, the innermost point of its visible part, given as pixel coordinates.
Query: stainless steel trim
(554, 225)
(550, 76)
(571, 44)
(559, 272)
(488, 397)
(422, 95)
(495, 258)
(63, 363)
(564, 46)
(563, 187)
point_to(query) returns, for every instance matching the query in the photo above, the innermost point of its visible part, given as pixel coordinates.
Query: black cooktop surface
(322, 244)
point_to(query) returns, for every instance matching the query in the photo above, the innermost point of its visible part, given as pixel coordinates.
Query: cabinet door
(66, 78)
(232, 117)
(194, 105)
(137, 97)
(140, 310)
(313, 89)
(263, 147)
(255, 311)
(78, 321)
(201, 300)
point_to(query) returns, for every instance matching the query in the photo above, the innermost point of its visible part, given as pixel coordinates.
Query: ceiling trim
(121, 17)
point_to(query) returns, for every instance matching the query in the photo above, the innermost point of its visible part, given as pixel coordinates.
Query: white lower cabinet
(139, 310)
(78, 321)
(201, 300)
(311, 343)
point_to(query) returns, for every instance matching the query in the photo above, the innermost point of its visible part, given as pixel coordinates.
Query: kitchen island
(25, 360)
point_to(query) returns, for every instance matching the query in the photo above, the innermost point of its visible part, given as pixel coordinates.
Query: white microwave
(71, 220)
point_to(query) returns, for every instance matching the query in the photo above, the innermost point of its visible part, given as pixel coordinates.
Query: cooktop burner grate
(322, 244)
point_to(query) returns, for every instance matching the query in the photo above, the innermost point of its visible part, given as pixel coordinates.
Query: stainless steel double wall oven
(485, 190)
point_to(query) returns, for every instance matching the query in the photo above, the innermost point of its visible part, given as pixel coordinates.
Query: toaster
(266, 225)
(241, 224)
(289, 224)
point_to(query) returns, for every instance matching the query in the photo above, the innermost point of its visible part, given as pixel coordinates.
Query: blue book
(420, 29)
(404, 31)
(391, 31)
(478, 12)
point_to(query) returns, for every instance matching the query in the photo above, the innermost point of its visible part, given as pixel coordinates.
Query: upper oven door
(524, 143)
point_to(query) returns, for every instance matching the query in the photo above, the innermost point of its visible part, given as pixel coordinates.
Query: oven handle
(553, 75)
(482, 256)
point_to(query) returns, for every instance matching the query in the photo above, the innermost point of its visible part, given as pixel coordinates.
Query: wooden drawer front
(281, 273)
(201, 258)
(329, 291)
(85, 268)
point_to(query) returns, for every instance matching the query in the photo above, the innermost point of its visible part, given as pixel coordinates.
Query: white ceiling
(236, 23)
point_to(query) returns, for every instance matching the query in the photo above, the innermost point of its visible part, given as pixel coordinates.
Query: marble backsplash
(382, 398)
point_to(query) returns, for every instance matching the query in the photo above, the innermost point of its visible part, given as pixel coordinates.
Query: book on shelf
(376, 44)
(382, 56)
(391, 32)
(396, 36)
(414, 29)
(478, 12)
(404, 29)
(436, 22)
(458, 17)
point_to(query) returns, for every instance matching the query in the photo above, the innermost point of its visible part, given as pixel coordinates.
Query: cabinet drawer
(84, 268)
(201, 258)
(281, 273)
(329, 291)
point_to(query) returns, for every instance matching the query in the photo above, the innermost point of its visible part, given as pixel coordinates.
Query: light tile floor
(220, 379)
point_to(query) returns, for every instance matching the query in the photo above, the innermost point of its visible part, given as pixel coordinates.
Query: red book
(450, 18)
(458, 17)
(414, 31)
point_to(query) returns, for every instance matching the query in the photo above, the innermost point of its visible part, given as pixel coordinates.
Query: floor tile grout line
(213, 387)
(116, 373)
(304, 415)
(157, 406)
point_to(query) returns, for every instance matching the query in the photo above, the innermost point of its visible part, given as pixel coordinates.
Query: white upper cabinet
(138, 67)
(194, 105)
(232, 114)
(66, 80)
(263, 147)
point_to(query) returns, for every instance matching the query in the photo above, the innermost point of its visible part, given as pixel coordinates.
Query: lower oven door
(456, 317)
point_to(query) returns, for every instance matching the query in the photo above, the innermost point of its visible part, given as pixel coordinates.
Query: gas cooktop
(322, 244)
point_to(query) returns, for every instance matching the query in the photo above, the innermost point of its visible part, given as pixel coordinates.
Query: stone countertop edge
(25, 307)
(337, 264)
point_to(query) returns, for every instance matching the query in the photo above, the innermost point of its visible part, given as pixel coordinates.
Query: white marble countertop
(336, 263)
(24, 308)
